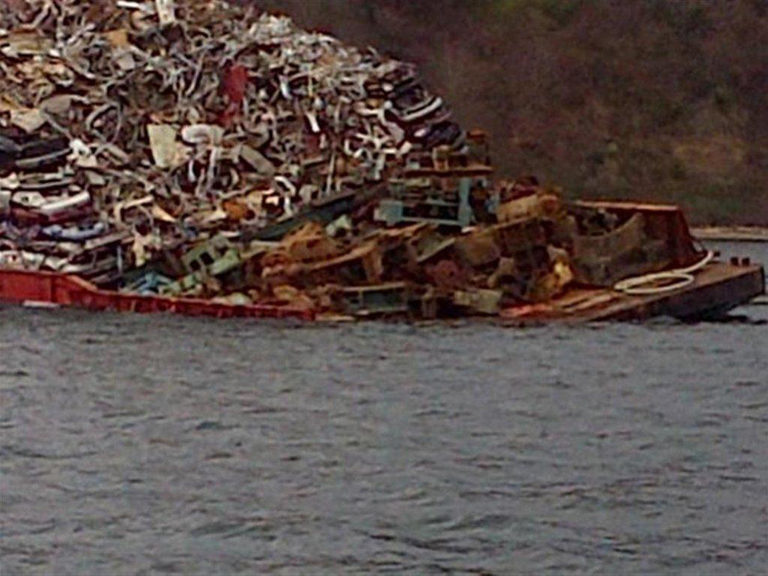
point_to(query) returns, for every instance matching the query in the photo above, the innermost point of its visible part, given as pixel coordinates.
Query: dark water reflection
(154, 445)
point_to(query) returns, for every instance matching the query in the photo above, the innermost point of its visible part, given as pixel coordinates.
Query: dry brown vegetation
(654, 99)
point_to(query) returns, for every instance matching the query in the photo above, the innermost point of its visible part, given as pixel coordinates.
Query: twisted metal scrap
(193, 103)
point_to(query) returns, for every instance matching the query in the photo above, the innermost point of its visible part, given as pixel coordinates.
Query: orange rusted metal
(662, 222)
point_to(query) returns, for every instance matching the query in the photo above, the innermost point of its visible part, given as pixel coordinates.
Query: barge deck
(718, 288)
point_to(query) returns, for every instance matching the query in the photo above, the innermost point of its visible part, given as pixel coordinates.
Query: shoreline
(731, 233)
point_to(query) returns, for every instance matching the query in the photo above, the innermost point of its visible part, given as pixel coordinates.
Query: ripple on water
(143, 445)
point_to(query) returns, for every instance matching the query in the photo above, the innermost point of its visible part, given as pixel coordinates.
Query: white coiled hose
(681, 278)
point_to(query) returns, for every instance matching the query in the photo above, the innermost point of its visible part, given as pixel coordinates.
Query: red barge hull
(33, 287)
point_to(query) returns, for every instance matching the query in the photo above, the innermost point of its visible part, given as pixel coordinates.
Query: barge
(344, 191)
(695, 286)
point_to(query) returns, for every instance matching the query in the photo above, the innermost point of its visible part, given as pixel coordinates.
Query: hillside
(652, 99)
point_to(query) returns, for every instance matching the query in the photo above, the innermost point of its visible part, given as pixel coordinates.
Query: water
(160, 445)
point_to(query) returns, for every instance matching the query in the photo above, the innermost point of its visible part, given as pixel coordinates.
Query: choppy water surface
(158, 445)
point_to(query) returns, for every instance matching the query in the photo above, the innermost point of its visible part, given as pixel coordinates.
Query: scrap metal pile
(196, 148)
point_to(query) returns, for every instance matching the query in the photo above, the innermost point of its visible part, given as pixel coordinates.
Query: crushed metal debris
(199, 148)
